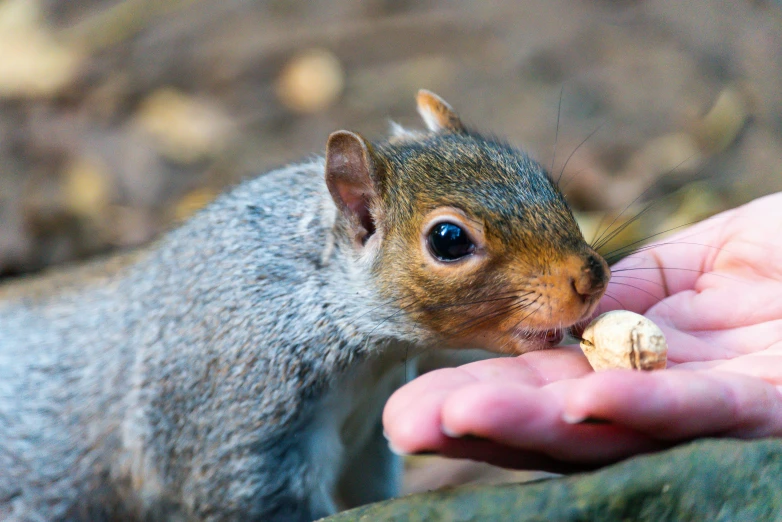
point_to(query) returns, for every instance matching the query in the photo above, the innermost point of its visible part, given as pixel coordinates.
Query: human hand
(716, 292)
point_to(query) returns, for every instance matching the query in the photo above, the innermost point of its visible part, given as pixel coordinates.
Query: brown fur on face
(530, 261)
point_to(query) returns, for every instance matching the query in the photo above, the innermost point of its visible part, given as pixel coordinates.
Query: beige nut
(622, 339)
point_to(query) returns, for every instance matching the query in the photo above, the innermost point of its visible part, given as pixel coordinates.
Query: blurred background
(119, 118)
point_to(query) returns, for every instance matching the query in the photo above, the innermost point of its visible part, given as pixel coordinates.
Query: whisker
(658, 234)
(381, 323)
(477, 321)
(556, 133)
(638, 279)
(450, 305)
(574, 176)
(614, 299)
(602, 242)
(386, 303)
(711, 218)
(407, 352)
(516, 326)
(481, 319)
(482, 301)
(505, 309)
(617, 255)
(473, 322)
(613, 234)
(576, 150)
(676, 268)
(660, 300)
(649, 237)
(599, 224)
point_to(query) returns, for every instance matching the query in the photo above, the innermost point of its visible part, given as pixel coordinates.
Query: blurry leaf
(192, 202)
(19, 15)
(670, 154)
(87, 187)
(186, 129)
(112, 24)
(32, 63)
(722, 124)
(311, 81)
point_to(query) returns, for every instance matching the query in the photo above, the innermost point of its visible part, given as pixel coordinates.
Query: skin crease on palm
(715, 289)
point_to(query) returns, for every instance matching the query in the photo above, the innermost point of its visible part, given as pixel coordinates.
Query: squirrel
(237, 369)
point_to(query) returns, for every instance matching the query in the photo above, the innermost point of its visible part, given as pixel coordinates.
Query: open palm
(716, 292)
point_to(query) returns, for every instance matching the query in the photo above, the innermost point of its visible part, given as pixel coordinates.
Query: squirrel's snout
(593, 278)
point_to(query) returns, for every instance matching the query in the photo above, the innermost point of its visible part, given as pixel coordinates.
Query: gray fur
(184, 386)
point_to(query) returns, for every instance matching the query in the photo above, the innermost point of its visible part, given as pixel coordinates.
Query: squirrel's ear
(437, 114)
(350, 179)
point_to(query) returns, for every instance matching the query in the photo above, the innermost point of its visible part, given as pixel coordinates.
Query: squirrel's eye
(449, 242)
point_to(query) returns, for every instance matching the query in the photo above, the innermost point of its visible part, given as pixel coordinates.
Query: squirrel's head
(465, 234)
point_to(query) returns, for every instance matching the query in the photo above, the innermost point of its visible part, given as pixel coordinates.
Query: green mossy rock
(707, 480)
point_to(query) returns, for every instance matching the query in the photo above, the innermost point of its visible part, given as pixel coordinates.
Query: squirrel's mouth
(529, 339)
(552, 337)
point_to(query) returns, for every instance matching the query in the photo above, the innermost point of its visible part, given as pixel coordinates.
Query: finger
(766, 365)
(727, 342)
(531, 419)
(724, 308)
(411, 417)
(676, 405)
(684, 346)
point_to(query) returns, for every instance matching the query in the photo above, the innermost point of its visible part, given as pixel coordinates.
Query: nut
(622, 339)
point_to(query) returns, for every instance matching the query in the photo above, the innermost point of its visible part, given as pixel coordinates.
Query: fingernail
(570, 418)
(583, 419)
(397, 451)
(424, 453)
(595, 420)
(448, 433)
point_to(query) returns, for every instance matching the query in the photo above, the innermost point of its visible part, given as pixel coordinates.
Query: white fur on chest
(346, 421)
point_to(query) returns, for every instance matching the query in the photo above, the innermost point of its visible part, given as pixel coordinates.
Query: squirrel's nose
(593, 278)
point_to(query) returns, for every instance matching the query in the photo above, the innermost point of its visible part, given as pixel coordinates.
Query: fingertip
(397, 451)
(488, 410)
(573, 418)
(411, 417)
(411, 433)
(450, 433)
(393, 405)
(408, 397)
(458, 414)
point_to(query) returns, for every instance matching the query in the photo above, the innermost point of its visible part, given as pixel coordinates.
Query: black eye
(449, 242)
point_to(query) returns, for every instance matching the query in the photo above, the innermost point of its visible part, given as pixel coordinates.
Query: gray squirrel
(237, 369)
